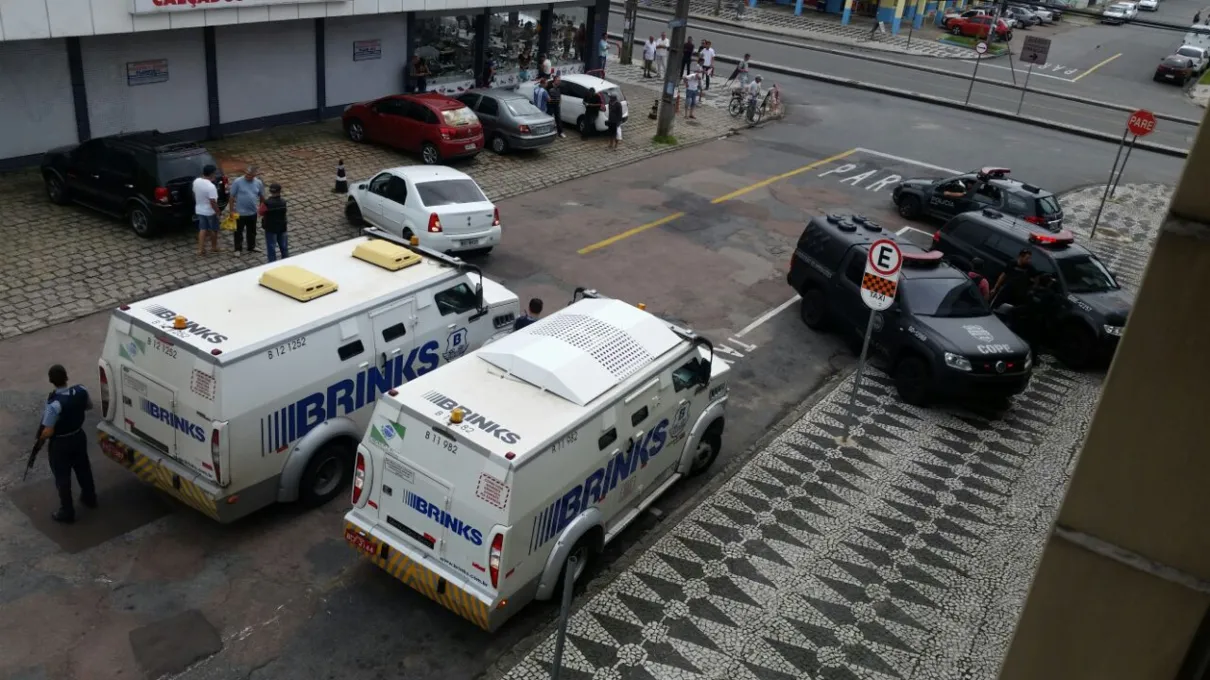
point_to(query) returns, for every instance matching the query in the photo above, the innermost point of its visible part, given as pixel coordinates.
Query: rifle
(38, 442)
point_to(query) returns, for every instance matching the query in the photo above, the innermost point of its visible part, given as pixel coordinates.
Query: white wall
(177, 104)
(265, 69)
(36, 108)
(351, 81)
(28, 19)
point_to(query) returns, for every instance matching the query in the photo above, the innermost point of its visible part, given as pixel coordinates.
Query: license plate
(471, 147)
(469, 242)
(1169, 75)
(360, 542)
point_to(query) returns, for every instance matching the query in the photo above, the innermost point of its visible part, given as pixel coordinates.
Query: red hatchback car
(437, 127)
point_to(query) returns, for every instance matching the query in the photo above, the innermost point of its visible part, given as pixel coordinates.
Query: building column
(546, 18)
(321, 71)
(79, 93)
(410, 48)
(210, 47)
(1123, 585)
(942, 8)
(598, 26)
(847, 13)
(897, 18)
(798, 7)
(918, 13)
(482, 25)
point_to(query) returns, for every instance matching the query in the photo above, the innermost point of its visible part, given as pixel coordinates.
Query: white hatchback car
(444, 208)
(575, 87)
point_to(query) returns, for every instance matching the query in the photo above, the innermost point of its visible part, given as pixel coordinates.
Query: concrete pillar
(847, 13)
(898, 16)
(918, 15)
(1140, 485)
(798, 7)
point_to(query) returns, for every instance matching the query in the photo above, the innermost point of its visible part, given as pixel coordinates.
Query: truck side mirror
(479, 297)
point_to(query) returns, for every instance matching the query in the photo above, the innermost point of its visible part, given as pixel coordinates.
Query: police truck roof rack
(993, 173)
(866, 222)
(841, 222)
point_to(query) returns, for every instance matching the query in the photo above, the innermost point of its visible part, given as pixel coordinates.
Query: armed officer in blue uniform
(63, 430)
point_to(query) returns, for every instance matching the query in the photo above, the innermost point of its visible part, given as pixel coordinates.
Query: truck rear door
(152, 411)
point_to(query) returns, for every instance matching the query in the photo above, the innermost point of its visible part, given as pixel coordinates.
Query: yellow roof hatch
(386, 255)
(297, 283)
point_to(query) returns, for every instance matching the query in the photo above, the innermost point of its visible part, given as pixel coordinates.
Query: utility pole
(676, 67)
(629, 17)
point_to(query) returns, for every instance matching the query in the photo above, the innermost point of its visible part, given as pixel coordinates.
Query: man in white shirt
(206, 210)
(648, 56)
(707, 64)
(693, 84)
(661, 54)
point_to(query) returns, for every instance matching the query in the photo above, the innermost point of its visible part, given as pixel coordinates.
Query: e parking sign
(881, 279)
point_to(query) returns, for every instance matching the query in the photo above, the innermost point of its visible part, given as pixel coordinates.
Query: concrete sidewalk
(907, 556)
(812, 25)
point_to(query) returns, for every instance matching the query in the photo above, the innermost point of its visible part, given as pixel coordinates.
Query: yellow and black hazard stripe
(152, 472)
(414, 575)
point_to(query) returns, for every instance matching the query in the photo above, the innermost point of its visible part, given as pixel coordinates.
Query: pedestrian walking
(569, 36)
(976, 275)
(648, 56)
(554, 102)
(741, 71)
(615, 122)
(693, 84)
(592, 111)
(541, 95)
(420, 74)
(530, 316)
(63, 430)
(687, 55)
(274, 224)
(603, 52)
(206, 210)
(523, 63)
(661, 54)
(247, 195)
(707, 63)
(489, 71)
(876, 28)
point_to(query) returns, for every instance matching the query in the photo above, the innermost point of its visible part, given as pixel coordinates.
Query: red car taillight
(104, 392)
(215, 445)
(359, 478)
(493, 559)
(447, 134)
(434, 224)
(162, 195)
(495, 217)
(524, 129)
(1034, 219)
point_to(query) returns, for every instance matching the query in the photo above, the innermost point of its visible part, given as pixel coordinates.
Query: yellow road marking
(1096, 67)
(785, 175)
(627, 234)
(738, 192)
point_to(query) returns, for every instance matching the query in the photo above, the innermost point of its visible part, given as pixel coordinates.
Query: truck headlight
(1115, 331)
(955, 361)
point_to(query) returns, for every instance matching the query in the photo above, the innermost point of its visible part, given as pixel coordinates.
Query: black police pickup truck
(1081, 313)
(939, 338)
(988, 188)
(145, 178)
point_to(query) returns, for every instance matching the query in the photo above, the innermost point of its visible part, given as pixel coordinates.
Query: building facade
(75, 69)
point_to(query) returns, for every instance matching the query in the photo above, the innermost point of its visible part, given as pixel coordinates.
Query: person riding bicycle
(752, 90)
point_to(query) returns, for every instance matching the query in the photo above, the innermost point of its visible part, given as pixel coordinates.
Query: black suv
(145, 178)
(987, 188)
(1085, 324)
(939, 338)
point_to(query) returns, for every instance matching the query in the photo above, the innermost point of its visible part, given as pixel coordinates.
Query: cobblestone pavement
(906, 556)
(822, 27)
(70, 261)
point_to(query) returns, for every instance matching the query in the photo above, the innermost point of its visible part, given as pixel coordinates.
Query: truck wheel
(353, 214)
(585, 551)
(909, 207)
(56, 189)
(814, 310)
(912, 381)
(328, 472)
(1075, 347)
(140, 221)
(707, 452)
(957, 30)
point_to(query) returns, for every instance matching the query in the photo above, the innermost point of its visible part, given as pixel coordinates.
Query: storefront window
(567, 38)
(446, 44)
(513, 46)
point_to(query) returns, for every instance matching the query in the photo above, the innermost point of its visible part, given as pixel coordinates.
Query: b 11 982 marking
(441, 441)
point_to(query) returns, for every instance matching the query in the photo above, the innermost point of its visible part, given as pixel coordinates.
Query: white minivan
(475, 483)
(255, 387)
(575, 87)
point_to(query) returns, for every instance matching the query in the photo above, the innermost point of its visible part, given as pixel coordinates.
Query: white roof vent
(583, 351)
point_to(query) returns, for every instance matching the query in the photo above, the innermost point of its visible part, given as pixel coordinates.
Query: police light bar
(993, 173)
(1060, 239)
(922, 258)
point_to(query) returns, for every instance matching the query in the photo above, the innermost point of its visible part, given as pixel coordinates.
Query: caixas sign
(153, 6)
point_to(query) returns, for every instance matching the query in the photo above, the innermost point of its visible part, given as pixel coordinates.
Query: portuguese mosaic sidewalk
(907, 556)
(105, 264)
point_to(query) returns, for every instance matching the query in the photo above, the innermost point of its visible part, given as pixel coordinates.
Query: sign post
(1140, 124)
(1035, 50)
(980, 50)
(569, 585)
(878, 287)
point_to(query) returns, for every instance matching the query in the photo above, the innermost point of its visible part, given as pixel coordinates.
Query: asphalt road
(1077, 66)
(282, 597)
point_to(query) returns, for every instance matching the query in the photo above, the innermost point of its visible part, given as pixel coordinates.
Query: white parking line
(901, 159)
(1035, 73)
(763, 318)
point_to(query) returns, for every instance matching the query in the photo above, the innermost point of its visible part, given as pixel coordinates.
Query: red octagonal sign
(1141, 123)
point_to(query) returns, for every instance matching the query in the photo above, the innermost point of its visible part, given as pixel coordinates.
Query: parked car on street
(1024, 18)
(443, 208)
(510, 120)
(951, 18)
(1047, 13)
(1149, 5)
(437, 127)
(574, 87)
(145, 178)
(987, 188)
(1175, 69)
(980, 27)
(1199, 55)
(1118, 13)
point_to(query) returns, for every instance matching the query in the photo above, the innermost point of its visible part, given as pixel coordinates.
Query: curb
(1124, 108)
(619, 8)
(634, 552)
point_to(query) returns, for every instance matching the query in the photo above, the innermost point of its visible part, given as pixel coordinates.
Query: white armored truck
(475, 483)
(256, 387)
